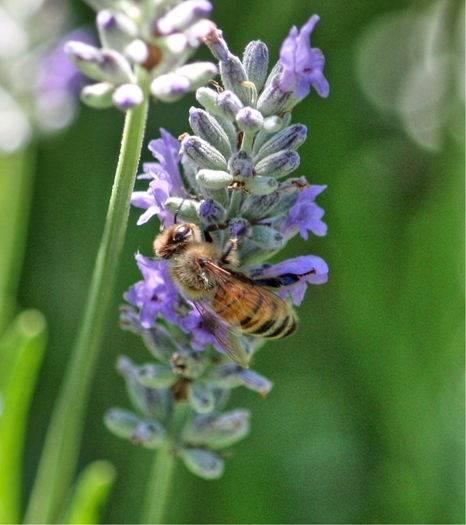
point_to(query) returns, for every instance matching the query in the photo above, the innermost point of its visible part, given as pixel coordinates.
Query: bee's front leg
(213, 228)
(238, 232)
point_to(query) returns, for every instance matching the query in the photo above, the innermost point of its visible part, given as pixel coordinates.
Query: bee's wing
(245, 294)
(227, 337)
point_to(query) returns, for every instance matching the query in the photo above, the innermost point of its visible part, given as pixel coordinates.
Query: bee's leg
(213, 228)
(232, 244)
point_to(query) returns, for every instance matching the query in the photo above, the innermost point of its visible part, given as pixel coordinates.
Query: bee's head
(175, 239)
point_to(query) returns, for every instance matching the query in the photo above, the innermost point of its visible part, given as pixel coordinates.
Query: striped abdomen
(254, 310)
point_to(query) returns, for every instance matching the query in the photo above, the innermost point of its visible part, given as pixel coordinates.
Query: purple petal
(142, 199)
(302, 65)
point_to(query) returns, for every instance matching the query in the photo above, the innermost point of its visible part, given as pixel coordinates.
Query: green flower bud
(230, 130)
(256, 63)
(189, 364)
(115, 68)
(198, 73)
(149, 434)
(229, 104)
(241, 166)
(98, 96)
(213, 179)
(206, 127)
(121, 422)
(260, 205)
(208, 98)
(272, 124)
(278, 164)
(116, 30)
(152, 402)
(186, 209)
(233, 74)
(229, 375)
(260, 185)
(289, 138)
(202, 463)
(201, 397)
(203, 154)
(87, 59)
(249, 120)
(217, 430)
(155, 376)
(273, 100)
(136, 51)
(159, 342)
(128, 96)
(266, 237)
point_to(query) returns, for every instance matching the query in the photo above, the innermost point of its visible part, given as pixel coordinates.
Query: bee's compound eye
(181, 232)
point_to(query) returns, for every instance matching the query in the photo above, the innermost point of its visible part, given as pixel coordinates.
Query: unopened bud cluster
(182, 375)
(150, 35)
(235, 183)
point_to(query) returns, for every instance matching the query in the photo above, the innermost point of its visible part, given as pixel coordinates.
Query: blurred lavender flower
(235, 183)
(38, 84)
(158, 37)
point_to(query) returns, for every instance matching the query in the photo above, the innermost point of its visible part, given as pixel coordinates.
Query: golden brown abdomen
(255, 312)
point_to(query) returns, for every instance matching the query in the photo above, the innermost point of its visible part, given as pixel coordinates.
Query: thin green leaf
(16, 173)
(91, 492)
(21, 351)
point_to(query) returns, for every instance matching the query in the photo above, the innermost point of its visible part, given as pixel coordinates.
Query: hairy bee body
(202, 272)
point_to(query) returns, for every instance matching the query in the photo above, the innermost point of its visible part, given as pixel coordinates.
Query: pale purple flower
(192, 323)
(155, 294)
(305, 215)
(153, 200)
(303, 65)
(167, 151)
(166, 177)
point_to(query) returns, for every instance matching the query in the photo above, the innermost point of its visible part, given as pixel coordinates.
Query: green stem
(163, 470)
(248, 139)
(61, 448)
(159, 486)
(235, 200)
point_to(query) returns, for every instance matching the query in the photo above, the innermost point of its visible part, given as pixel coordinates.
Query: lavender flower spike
(207, 305)
(303, 65)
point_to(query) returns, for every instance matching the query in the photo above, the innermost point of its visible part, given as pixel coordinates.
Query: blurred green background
(365, 422)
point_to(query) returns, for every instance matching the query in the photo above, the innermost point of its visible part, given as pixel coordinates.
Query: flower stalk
(163, 468)
(58, 461)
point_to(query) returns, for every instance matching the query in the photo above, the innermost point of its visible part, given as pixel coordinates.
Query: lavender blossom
(305, 215)
(145, 36)
(232, 183)
(303, 65)
(166, 179)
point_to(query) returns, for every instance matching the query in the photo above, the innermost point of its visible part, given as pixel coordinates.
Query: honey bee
(230, 303)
